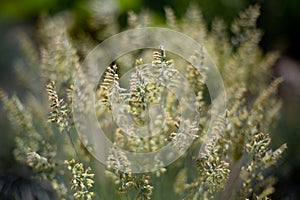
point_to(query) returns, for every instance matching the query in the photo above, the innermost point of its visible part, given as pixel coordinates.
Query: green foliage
(234, 160)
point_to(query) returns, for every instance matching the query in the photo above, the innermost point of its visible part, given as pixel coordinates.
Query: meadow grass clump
(235, 158)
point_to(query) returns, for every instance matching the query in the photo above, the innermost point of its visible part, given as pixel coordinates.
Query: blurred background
(279, 20)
